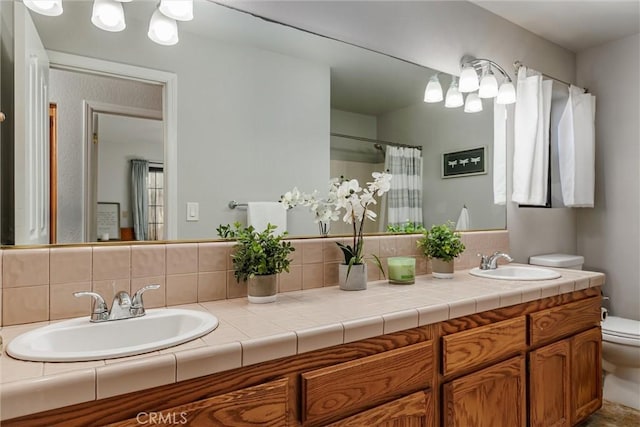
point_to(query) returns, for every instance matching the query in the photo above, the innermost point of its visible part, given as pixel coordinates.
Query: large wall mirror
(261, 107)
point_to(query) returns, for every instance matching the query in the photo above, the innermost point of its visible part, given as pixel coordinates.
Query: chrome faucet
(490, 262)
(122, 307)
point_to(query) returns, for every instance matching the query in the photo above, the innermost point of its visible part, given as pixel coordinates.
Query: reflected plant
(408, 227)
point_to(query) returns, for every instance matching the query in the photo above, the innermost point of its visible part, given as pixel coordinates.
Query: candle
(402, 270)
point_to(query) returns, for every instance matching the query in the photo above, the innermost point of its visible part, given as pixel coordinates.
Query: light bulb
(433, 92)
(163, 30)
(473, 103)
(45, 7)
(488, 86)
(182, 10)
(454, 98)
(468, 79)
(506, 93)
(108, 15)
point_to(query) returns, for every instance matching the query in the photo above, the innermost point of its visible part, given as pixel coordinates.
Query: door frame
(169, 82)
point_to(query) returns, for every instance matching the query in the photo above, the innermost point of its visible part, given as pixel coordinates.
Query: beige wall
(437, 34)
(609, 234)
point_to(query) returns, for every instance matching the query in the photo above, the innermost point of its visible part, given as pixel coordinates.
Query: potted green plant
(442, 244)
(257, 259)
(346, 199)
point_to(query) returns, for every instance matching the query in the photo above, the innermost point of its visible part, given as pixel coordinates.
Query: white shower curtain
(404, 199)
(531, 143)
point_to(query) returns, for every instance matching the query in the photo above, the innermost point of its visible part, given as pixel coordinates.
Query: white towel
(259, 214)
(531, 143)
(576, 149)
(499, 154)
(463, 220)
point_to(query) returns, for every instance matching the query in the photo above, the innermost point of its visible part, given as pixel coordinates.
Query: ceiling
(575, 25)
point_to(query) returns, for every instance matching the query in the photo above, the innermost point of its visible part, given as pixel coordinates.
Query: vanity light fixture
(180, 10)
(162, 29)
(45, 7)
(488, 86)
(468, 79)
(433, 92)
(506, 93)
(454, 98)
(473, 104)
(108, 15)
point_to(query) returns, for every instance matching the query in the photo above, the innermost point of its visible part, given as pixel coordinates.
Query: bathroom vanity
(512, 354)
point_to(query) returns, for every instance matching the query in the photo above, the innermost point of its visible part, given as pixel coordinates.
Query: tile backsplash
(38, 284)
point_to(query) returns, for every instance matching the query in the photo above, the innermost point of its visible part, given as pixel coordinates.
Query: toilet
(620, 343)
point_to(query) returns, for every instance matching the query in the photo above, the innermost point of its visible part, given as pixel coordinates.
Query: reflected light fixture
(180, 10)
(45, 7)
(468, 79)
(473, 104)
(108, 15)
(454, 98)
(433, 91)
(162, 29)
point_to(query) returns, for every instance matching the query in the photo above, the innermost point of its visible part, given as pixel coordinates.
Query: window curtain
(139, 198)
(404, 199)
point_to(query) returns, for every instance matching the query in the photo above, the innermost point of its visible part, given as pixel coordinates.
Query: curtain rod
(518, 64)
(374, 141)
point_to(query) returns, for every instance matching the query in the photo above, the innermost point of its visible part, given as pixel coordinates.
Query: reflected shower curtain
(404, 199)
(139, 198)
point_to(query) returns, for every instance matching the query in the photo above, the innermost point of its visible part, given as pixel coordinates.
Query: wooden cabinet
(262, 405)
(564, 320)
(565, 383)
(491, 397)
(414, 410)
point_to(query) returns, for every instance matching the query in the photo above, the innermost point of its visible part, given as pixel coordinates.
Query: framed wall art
(464, 163)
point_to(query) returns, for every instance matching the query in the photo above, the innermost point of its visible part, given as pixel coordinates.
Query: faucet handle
(136, 301)
(99, 310)
(484, 261)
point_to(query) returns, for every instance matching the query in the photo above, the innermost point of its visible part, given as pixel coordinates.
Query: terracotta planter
(262, 289)
(357, 280)
(441, 269)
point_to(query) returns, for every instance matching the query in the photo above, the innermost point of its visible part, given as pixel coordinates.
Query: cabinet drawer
(474, 347)
(262, 405)
(335, 392)
(562, 321)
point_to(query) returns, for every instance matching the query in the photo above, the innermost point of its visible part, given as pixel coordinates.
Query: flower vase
(357, 277)
(323, 226)
(262, 289)
(441, 269)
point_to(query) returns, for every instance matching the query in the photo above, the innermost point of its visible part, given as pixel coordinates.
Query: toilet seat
(622, 331)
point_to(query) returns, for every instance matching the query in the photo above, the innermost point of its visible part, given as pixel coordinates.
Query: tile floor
(613, 415)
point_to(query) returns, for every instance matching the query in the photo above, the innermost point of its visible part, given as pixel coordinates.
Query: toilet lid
(621, 327)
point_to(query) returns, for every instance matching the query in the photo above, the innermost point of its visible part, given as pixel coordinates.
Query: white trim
(170, 114)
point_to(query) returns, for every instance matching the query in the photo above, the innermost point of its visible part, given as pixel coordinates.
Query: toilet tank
(572, 262)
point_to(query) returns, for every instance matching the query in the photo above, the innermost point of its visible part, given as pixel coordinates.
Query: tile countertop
(298, 322)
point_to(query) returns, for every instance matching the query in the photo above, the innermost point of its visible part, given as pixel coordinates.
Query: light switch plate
(193, 213)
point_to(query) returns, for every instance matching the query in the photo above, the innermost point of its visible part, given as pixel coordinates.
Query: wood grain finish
(482, 345)
(413, 410)
(264, 405)
(550, 385)
(586, 374)
(491, 397)
(560, 322)
(334, 392)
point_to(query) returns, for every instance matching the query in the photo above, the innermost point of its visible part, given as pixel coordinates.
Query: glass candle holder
(402, 270)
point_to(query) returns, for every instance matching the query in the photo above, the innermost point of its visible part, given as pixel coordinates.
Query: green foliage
(408, 227)
(353, 255)
(257, 254)
(226, 232)
(441, 242)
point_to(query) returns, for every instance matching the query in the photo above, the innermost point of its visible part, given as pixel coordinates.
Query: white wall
(439, 130)
(437, 34)
(68, 90)
(609, 234)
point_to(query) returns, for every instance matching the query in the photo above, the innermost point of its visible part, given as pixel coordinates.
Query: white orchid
(348, 199)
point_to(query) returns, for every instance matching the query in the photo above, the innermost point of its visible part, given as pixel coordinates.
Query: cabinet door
(262, 405)
(492, 397)
(415, 410)
(586, 374)
(550, 386)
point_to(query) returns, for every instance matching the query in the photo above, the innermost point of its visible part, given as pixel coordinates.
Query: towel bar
(233, 204)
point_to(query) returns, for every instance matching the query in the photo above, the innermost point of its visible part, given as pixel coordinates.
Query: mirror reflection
(261, 108)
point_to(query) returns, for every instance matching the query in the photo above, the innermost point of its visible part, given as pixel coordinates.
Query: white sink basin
(516, 272)
(78, 340)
